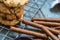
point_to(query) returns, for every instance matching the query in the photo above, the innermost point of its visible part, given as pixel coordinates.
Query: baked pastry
(14, 3)
(10, 11)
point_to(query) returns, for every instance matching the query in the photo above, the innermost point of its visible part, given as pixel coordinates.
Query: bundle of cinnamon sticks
(50, 27)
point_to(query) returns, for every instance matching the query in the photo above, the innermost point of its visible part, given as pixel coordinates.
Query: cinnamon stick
(57, 27)
(41, 27)
(19, 30)
(46, 19)
(48, 23)
(53, 30)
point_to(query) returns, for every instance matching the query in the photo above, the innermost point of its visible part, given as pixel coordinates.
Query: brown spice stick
(53, 30)
(57, 27)
(46, 19)
(19, 30)
(48, 23)
(42, 27)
